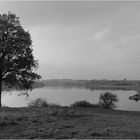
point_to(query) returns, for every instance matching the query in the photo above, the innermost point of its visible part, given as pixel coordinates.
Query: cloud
(100, 34)
(130, 39)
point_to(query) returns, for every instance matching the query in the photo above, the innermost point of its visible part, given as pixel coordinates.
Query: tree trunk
(0, 92)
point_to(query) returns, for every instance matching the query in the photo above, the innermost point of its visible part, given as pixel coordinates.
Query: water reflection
(67, 96)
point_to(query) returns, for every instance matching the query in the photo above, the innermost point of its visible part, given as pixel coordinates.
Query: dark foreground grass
(64, 123)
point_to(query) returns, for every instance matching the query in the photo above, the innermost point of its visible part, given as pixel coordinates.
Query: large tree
(17, 63)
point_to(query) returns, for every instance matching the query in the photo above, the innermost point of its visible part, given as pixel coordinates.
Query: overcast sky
(82, 40)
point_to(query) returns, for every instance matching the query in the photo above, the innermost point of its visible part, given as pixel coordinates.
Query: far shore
(92, 84)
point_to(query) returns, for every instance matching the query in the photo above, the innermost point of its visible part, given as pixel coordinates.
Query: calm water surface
(67, 96)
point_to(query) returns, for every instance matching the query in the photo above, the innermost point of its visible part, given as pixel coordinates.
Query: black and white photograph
(69, 69)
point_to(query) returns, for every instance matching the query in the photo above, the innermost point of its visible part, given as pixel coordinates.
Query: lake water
(67, 96)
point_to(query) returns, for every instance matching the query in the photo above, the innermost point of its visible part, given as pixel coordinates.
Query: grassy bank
(62, 122)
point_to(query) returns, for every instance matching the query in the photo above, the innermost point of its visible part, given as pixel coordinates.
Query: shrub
(4, 106)
(82, 104)
(108, 100)
(40, 102)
